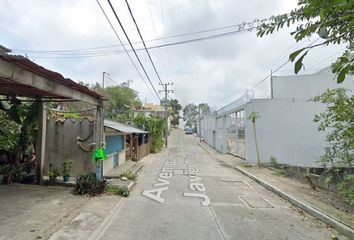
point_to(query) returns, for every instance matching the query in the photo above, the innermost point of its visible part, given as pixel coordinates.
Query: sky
(215, 71)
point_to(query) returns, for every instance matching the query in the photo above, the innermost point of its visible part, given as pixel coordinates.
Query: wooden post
(40, 141)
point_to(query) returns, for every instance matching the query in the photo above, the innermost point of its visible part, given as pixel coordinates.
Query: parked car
(188, 130)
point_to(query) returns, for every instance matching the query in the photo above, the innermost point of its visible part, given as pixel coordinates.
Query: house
(123, 143)
(20, 77)
(285, 128)
(151, 109)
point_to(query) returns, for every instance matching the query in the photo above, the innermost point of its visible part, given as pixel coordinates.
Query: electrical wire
(130, 58)
(142, 40)
(131, 45)
(240, 28)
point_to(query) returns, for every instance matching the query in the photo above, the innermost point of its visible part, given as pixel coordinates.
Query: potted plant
(66, 170)
(53, 173)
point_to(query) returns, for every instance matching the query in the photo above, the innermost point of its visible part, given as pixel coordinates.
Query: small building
(123, 143)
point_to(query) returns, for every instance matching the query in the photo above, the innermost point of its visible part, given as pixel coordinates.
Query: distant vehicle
(188, 130)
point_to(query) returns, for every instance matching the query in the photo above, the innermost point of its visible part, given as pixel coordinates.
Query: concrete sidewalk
(293, 188)
(53, 212)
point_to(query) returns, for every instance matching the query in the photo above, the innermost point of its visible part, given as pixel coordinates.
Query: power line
(131, 45)
(142, 39)
(109, 52)
(245, 26)
(131, 60)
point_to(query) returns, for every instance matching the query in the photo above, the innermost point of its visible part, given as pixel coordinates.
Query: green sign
(99, 154)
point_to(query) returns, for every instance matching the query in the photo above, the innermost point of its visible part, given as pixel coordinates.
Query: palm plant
(253, 117)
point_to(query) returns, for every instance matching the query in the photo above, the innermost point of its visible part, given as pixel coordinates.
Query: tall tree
(190, 112)
(203, 108)
(332, 20)
(122, 99)
(176, 108)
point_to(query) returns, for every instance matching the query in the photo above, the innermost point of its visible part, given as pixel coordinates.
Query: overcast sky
(215, 71)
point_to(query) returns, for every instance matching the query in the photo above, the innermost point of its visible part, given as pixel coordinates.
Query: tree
(338, 122)
(21, 129)
(253, 117)
(203, 108)
(121, 101)
(330, 19)
(155, 126)
(176, 108)
(191, 112)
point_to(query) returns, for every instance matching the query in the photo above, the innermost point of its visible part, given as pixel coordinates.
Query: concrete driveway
(31, 212)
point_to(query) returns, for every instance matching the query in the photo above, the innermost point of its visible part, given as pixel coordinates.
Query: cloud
(214, 71)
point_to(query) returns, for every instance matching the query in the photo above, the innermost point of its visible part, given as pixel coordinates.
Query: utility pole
(103, 74)
(165, 103)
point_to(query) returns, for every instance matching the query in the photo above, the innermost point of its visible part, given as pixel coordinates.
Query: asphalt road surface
(185, 193)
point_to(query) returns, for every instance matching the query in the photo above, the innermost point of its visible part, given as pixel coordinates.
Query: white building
(285, 128)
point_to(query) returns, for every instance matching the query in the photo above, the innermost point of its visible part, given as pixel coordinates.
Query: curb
(324, 217)
(204, 148)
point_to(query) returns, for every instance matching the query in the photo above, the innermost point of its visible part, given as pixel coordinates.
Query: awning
(122, 127)
(20, 76)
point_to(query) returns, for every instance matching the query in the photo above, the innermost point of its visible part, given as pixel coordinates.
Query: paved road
(185, 193)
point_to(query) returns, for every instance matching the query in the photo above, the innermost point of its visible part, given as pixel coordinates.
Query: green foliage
(72, 115)
(273, 162)
(338, 122)
(176, 108)
(254, 116)
(120, 190)
(19, 136)
(332, 20)
(12, 173)
(157, 145)
(9, 133)
(53, 173)
(154, 125)
(129, 174)
(89, 184)
(67, 167)
(121, 100)
(191, 111)
(280, 172)
(346, 188)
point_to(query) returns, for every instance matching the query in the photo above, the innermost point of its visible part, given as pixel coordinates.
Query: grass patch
(122, 191)
(130, 175)
(280, 172)
(247, 165)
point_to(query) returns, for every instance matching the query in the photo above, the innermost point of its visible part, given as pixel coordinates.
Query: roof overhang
(120, 127)
(22, 77)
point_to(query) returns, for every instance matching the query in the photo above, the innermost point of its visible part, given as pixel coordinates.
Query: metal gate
(236, 133)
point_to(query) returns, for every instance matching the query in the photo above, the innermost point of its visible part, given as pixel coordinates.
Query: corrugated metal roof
(33, 67)
(122, 127)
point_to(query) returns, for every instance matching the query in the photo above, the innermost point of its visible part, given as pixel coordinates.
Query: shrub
(273, 162)
(129, 174)
(12, 173)
(346, 188)
(123, 191)
(89, 184)
(157, 145)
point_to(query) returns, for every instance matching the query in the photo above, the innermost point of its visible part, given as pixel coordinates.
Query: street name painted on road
(166, 173)
(195, 183)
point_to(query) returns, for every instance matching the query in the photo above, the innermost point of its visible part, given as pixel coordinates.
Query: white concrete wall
(208, 127)
(307, 85)
(285, 130)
